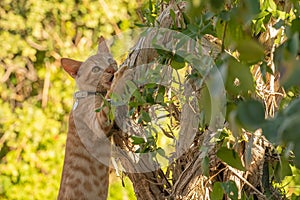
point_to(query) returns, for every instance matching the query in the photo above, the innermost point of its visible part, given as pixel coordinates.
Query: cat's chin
(107, 85)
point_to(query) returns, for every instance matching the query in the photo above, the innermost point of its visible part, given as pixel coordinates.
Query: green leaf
(295, 25)
(233, 30)
(289, 73)
(239, 80)
(150, 5)
(161, 152)
(270, 129)
(259, 26)
(292, 108)
(159, 98)
(289, 129)
(172, 14)
(297, 155)
(293, 44)
(217, 192)
(179, 58)
(131, 86)
(193, 28)
(117, 100)
(205, 106)
(231, 189)
(253, 6)
(225, 15)
(248, 152)
(279, 24)
(145, 116)
(137, 139)
(216, 4)
(230, 157)
(295, 197)
(138, 150)
(183, 41)
(248, 10)
(251, 114)
(205, 166)
(264, 69)
(177, 65)
(186, 18)
(250, 51)
(282, 169)
(269, 5)
(98, 109)
(140, 25)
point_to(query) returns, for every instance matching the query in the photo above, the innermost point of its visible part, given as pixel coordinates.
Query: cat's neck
(91, 125)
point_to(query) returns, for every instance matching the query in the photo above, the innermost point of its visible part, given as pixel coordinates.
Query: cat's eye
(96, 69)
(112, 62)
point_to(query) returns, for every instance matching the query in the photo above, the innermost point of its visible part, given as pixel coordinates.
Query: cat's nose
(110, 70)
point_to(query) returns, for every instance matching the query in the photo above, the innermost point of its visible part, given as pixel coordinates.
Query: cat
(85, 172)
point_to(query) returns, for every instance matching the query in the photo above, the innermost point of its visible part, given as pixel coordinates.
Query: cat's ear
(70, 66)
(102, 47)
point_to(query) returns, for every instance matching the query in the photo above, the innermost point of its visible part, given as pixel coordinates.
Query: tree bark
(184, 178)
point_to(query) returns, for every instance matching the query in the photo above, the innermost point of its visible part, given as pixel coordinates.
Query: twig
(245, 181)
(223, 37)
(109, 16)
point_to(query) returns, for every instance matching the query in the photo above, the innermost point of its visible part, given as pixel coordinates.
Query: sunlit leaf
(173, 15)
(137, 140)
(177, 65)
(217, 191)
(230, 157)
(269, 5)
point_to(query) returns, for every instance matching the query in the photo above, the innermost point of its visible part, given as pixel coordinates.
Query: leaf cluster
(255, 37)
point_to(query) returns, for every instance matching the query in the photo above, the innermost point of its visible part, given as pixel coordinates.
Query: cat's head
(94, 74)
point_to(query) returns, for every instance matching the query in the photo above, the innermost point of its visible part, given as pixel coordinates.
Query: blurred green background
(36, 94)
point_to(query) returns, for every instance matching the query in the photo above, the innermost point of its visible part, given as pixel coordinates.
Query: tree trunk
(185, 177)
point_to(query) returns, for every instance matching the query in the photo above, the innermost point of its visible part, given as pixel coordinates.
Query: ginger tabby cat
(83, 176)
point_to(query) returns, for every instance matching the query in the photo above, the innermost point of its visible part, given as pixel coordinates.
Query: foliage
(36, 95)
(259, 42)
